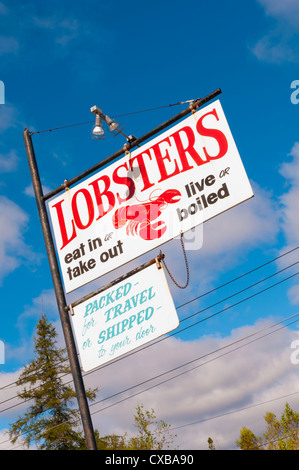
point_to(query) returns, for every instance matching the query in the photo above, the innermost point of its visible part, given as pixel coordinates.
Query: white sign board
(185, 176)
(124, 317)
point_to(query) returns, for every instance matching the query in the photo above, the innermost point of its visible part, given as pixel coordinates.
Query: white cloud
(293, 294)
(290, 169)
(44, 303)
(54, 22)
(29, 191)
(274, 48)
(215, 387)
(8, 162)
(14, 408)
(65, 30)
(13, 249)
(8, 117)
(220, 380)
(280, 44)
(248, 225)
(289, 199)
(286, 9)
(289, 215)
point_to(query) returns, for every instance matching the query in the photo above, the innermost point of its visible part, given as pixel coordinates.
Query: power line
(235, 304)
(192, 361)
(183, 365)
(117, 116)
(241, 276)
(197, 359)
(209, 292)
(269, 287)
(221, 415)
(142, 383)
(279, 438)
(192, 315)
(164, 338)
(234, 411)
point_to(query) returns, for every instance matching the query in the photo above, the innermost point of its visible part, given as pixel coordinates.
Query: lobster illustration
(142, 217)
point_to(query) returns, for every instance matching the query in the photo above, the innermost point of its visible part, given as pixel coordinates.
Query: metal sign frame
(51, 253)
(174, 182)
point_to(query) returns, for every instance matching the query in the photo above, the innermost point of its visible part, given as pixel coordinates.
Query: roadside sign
(180, 179)
(133, 312)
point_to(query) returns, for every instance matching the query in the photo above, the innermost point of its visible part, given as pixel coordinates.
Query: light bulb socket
(111, 124)
(98, 131)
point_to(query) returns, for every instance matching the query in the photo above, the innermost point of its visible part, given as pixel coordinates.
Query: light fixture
(98, 131)
(114, 127)
(111, 124)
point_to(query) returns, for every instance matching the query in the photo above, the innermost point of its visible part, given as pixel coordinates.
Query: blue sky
(58, 60)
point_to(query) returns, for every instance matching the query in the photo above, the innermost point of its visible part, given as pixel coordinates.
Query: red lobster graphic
(141, 216)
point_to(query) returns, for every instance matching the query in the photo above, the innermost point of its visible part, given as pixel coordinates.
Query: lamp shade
(98, 131)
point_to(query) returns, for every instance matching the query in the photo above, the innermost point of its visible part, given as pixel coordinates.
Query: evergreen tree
(50, 421)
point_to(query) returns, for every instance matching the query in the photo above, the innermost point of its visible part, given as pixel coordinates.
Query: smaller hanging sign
(133, 312)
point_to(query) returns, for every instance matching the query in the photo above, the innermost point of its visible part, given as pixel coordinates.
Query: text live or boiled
(124, 317)
(187, 175)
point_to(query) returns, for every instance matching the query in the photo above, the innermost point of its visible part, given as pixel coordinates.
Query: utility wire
(185, 364)
(207, 293)
(184, 328)
(195, 367)
(182, 373)
(117, 116)
(234, 411)
(240, 276)
(164, 338)
(190, 316)
(214, 417)
(186, 318)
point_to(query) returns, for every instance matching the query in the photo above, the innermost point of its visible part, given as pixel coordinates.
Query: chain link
(187, 267)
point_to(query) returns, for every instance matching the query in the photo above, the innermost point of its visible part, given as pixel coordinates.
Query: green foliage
(50, 421)
(248, 441)
(111, 442)
(281, 434)
(152, 434)
(211, 444)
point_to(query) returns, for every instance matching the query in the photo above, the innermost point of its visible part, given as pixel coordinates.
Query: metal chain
(187, 267)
